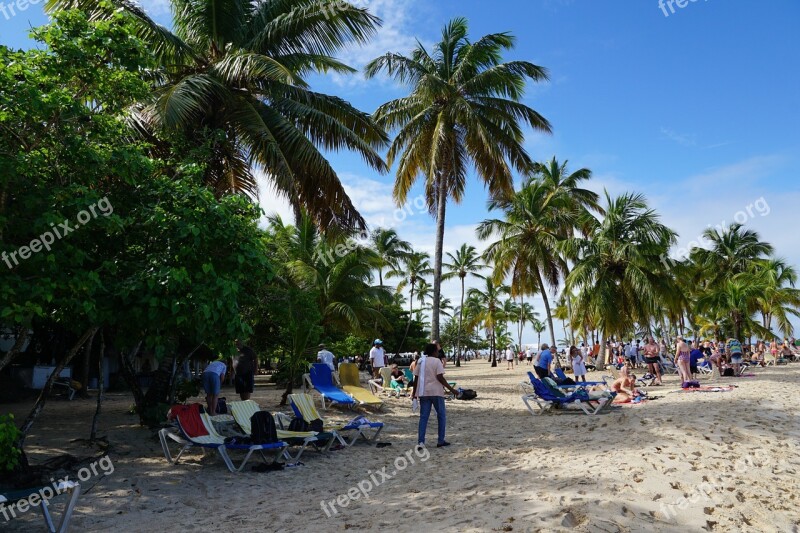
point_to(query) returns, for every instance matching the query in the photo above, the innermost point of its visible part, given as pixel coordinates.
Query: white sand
(733, 454)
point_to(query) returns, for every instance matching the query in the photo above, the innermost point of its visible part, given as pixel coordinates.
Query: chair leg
(225, 457)
(63, 525)
(48, 520)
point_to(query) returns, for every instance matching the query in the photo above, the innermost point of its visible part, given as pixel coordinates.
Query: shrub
(9, 434)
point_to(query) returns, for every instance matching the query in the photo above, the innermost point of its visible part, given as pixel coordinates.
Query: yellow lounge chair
(243, 411)
(303, 407)
(351, 384)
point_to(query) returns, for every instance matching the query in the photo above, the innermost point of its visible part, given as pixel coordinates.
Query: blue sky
(698, 110)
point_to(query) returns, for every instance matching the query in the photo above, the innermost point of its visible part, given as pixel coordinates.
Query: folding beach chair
(667, 367)
(7, 499)
(546, 399)
(203, 435)
(321, 379)
(243, 411)
(303, 407)
(351, 384)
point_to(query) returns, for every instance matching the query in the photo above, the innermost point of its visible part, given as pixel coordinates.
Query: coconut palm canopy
(464, 110)
(231, 76)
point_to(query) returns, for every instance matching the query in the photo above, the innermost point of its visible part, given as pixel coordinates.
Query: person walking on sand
(651, 351)
(429, 385)
(509, 358)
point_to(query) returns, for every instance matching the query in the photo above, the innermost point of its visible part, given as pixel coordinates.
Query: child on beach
(578, 364)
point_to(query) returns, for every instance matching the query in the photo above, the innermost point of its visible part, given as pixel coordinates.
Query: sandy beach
(684, 462)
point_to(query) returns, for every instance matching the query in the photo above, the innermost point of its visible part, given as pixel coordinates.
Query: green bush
(9, 434)
(187, 389)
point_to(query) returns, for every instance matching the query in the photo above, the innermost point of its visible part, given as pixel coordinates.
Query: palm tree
(486, 308)
(232, 77)
(466, 262)
(389, 249)
(412, 269)
(464, 111)
(561, 182)
(525, 314)
(561, 312)
(538, 327)
(618, 276)
(738, 299)
(731, 252)
(534, 224)
(780, 299)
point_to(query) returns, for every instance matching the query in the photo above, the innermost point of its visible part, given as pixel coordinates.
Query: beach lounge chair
(547, 399)
(559, 372)
(351, 384)
(384, 385)
(203, 435)
(320, 378)
(303, 407)
(7, 499)
(243, 411)
(668, 367)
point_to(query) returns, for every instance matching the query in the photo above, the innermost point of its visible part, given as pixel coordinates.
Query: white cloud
(395, 35)
(155, 8)
(684, 139)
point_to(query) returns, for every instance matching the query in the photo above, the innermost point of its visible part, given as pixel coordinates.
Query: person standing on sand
(377, 358)
(682, 358)
(578, 363)
(735, 351)
(509, 358)
(326, 357)
(542, 367)
(429, 385)
(246, 368)
(212, 384)
(651, 358)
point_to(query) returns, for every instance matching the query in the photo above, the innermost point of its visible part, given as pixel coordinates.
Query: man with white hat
(377, 358)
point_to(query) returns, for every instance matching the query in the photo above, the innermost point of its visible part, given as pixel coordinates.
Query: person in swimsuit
(651, 358)
(625, 387)
(682, 360)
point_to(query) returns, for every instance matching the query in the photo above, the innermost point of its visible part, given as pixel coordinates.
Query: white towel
(421, 380)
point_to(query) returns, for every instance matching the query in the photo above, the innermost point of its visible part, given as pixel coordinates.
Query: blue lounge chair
(358, 428)
(547, 399)
(321, 377)
(562, 376)
(8, 499)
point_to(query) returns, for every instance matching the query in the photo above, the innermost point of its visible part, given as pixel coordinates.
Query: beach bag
(728, 372)
(690, 385)
(262, 428)
(466, 394)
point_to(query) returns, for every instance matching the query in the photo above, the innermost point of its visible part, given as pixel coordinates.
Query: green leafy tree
(464, 110)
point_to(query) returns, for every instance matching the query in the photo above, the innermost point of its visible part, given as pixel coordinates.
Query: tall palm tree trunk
(460, 320)
(549, 315)
(441, 205)
(410, 318)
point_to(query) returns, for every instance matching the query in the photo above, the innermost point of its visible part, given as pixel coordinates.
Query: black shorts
(651, 360)
(244, 383)
(693, 369)
(541, 372)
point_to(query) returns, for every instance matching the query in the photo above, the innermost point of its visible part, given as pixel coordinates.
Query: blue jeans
(425, 404)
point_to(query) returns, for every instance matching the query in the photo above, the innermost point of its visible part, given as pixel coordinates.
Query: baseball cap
(378, 341)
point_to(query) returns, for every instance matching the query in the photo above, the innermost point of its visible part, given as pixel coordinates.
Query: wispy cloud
(395, 35)
(684, 139)
(155, 8)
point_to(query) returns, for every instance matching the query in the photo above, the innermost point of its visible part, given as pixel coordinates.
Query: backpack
(466, 394)
(298, 424)
(262, 428)
(222, 407)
